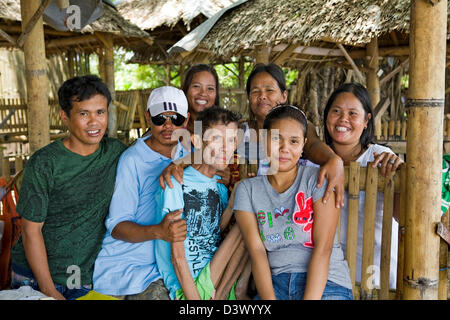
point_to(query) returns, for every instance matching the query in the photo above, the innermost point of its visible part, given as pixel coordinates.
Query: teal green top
(70, 193)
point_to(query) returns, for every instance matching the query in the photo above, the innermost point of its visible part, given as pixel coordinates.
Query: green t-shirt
(70, 193)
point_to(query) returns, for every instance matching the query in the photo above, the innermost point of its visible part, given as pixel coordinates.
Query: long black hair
(363, 96)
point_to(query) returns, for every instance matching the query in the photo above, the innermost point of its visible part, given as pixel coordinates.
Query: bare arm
(36, 253)
(227, 214)
(260, 264)
(182, 271)
(170, 229)
(325, 222)
(176, 168)
(332, 166)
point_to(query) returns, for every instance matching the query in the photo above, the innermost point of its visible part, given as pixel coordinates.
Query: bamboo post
(18, 164)
(404, 126)
(243, 97)
(313, 98)
(398, 128)
(6, 168)
(401, 233)
(70, 62)
(36, 76)
(373, 82)
(262, 54)
(352, 223)
(385, 263)
(391, 128)
(109, 80)
(425, 106)
(369, 232)
(385, 127)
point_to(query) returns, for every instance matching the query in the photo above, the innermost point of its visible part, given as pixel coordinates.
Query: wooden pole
(109, 80)
(262, 54)
(37, 80)
(373, 82)
(425, 107)
(243, 97)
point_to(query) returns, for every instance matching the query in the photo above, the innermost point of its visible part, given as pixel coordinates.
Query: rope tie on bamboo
(422, 283)
(410, 103)
(353, 196)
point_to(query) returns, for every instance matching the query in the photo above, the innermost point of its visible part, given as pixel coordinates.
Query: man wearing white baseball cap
(126, 265)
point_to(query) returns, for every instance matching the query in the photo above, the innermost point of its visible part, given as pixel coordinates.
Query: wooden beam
(32, 22)
(7, 37)
(310, 51)
(352, 63)
(394, 72)
(69, 41)
(104, 38)
(380, 109)
(283, 55)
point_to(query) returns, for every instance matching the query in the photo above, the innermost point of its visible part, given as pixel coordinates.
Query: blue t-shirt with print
(203, 201)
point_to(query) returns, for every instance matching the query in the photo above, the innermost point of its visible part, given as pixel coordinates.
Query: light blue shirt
(124, 268)
(203, 201)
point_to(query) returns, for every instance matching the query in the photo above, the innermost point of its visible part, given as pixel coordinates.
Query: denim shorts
(291, 286)
(21, 277)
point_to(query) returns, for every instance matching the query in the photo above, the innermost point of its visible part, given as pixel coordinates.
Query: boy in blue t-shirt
(203, 267)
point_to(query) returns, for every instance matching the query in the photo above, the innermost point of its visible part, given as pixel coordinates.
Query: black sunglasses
(176, 119)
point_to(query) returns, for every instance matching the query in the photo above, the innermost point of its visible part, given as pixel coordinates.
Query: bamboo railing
(371, 181)
(397, 130)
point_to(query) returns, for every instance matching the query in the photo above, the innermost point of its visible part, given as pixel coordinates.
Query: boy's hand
(173, 227)
(225, 175)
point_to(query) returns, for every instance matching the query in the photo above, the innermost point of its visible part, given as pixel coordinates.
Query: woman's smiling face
(346, 119)
(202, 92)
(265, 94)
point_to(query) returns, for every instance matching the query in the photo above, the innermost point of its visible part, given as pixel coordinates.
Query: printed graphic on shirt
(304, 216)
(202, 211)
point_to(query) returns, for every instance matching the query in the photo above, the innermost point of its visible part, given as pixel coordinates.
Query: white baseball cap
(165, 99)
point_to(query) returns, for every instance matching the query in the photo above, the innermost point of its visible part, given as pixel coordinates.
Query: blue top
(124, 268)
(204, 201)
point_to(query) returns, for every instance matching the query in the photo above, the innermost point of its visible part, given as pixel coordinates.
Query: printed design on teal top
(202, 210)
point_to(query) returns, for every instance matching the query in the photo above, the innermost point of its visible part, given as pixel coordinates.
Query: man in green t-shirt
(65, 195)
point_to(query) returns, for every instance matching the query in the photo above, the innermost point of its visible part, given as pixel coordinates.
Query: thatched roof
(167, 21)
(124, 32)
(316, 23)
(150, 14)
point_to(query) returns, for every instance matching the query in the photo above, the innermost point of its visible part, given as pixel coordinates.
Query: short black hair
(361, 93)
(273, 69)
(215, 115)
(286, 112)
(199, 68)
(79, 89)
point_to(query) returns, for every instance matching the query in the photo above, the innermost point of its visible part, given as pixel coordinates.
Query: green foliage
(134, 76)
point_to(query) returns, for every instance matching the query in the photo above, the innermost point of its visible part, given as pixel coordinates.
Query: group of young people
(153, 221)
